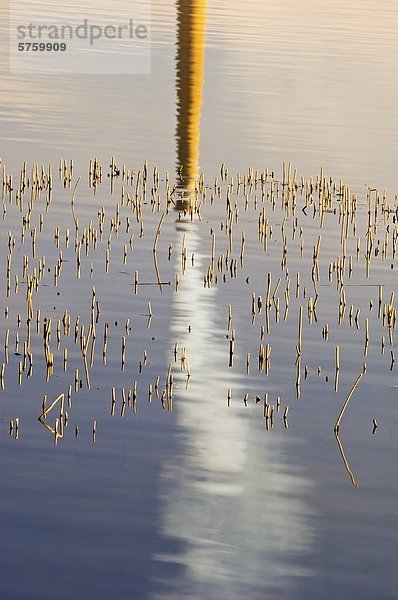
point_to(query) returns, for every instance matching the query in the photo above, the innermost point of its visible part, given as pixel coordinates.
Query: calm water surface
(203, 502)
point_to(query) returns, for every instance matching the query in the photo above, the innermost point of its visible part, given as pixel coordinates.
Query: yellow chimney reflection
(191, 21)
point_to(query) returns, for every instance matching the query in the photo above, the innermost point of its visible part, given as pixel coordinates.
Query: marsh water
(206, 500)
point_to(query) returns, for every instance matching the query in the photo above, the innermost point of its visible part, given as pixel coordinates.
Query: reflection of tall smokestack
(191, 18)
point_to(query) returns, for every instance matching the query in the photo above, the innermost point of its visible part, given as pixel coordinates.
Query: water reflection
(235, 509)
(191, 23)
(345, 461)
(331, 114)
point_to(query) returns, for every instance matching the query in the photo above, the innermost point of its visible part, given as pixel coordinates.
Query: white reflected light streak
(235, 509)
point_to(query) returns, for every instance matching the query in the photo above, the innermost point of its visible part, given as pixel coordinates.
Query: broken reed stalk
(155, 243)
(337, 425)
(73, 204)
(300, 332)
(336, 379)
